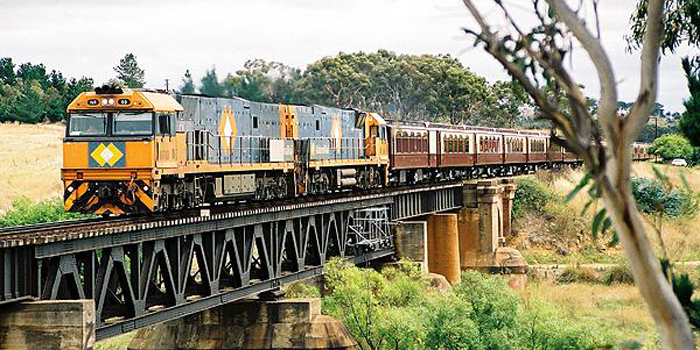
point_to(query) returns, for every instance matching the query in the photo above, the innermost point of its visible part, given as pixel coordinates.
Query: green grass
(25, 212)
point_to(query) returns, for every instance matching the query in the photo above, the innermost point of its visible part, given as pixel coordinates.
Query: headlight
(111, 101)
(104, 101)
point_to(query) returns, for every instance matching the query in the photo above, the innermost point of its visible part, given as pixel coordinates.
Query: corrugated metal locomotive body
(197, 149)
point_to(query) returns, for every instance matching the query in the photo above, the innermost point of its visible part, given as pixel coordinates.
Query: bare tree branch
(607, 106)
(644, 104)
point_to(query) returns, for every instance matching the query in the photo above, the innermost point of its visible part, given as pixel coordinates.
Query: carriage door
(432, 148)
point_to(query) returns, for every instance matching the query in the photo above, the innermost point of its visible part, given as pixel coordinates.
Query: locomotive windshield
(132, 124)
(87, 124)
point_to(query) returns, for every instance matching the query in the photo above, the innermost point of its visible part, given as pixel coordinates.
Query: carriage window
(318, 125)
(255, 123)
(132, 124)
(87, 124)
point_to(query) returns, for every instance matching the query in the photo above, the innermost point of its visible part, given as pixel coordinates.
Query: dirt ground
(30, 162)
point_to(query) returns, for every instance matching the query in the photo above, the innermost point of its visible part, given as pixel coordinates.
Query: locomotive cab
(115, 142)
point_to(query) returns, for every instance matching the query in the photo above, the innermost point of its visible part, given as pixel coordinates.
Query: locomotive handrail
(242, 149)
(351, 145)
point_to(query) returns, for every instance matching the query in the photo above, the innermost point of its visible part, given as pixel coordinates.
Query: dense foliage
(397, 309)
(671, 146)
(653, 197)
(652, 131)
(424, 87)
(530, 194)
(690, 121)
(26, 212)
(30, 94)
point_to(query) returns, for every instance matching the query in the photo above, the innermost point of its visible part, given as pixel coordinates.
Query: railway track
(77, 229)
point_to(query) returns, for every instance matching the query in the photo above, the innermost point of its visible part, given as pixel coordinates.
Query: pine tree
(210, 84)
(690, 121)
(129, 71)
(187, 84)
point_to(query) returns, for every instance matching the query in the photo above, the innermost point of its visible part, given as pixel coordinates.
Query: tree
(535, 56)
(7, 70)
(506, 101)
(187, 84)
(29, 72)
(690, 120)
(210, 84)
(671, 146)
(129, 71)
(651, 131)
(29, 106)
(425, 87)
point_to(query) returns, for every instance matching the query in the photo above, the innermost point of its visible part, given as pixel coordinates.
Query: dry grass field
(565, 223)
(619, 308)
(30, 162)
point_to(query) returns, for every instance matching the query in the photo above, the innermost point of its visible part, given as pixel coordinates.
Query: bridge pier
(485, 222)
(250, 324)
(411, 241)
(472, 238)
(52, 324)
(443, 246)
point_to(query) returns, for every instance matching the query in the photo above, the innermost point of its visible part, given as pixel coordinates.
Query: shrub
(301, 289)
(496, 308)
(530, 195)
(578, 274)
(671, 146)
(618, 274)
(26, 212)
(653, 198)
(450, 327)
(482, 312)
(543, 327)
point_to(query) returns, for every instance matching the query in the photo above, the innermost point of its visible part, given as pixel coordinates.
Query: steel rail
(76, 229)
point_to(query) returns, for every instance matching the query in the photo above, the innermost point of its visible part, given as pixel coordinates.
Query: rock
(563, 250)
(439, 282)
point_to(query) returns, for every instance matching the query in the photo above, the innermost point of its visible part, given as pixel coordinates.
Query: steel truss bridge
(142, 271)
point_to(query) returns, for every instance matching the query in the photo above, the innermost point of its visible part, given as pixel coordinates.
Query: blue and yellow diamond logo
(109, 154)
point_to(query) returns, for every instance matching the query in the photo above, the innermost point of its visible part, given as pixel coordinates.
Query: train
(144, 151)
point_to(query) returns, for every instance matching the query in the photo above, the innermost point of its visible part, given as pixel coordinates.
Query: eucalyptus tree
(535, 56)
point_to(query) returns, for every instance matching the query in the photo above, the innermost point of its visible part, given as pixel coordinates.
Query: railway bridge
(67, 285)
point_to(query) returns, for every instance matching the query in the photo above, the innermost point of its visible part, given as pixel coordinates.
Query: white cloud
(88, 37)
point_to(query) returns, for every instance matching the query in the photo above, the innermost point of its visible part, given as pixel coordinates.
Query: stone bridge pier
(471, 238)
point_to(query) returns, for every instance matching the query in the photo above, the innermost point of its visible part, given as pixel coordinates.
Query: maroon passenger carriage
(423, 152)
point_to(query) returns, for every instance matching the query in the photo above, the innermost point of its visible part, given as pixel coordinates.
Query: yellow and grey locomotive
(138, 151)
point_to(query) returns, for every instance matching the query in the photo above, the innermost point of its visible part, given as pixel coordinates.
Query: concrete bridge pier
(251, 324)
(472, 238)
(484, 223)
(443, 246)
(53, 324)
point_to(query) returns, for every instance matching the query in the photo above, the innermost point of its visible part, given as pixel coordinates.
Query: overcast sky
(87, 38)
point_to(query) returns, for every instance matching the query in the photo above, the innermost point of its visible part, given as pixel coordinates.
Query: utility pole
(167, 86)
(656, 128)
